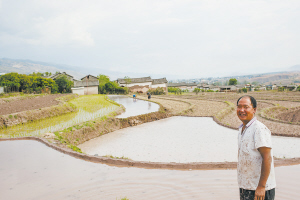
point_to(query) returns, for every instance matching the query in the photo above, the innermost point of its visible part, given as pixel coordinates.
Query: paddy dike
(21, 111)
(98, 128)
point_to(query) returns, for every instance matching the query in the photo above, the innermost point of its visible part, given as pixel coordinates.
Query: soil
(293, 116)
(29, 104)
(191, 105)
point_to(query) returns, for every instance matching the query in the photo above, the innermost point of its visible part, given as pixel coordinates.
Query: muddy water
(31, 170)
(180, 139)
(134, 107)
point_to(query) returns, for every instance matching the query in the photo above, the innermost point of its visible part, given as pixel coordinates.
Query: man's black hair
(253, 101)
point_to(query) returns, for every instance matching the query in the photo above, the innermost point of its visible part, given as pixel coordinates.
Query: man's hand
(265, 171)
(260, 193)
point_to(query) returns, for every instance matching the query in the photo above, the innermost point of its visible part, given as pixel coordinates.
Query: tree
(197, 90)
(111, 87)
(127, 80)
(232, 81)
(64, 84)
(103, 79)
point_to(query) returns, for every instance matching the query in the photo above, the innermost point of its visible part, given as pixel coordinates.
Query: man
(256, 177)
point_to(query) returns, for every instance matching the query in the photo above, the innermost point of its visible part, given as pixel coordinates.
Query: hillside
(280, 78)
(28, 67)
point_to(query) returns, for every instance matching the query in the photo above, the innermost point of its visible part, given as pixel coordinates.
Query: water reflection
(84, 113)
(31, 170)
(133, 106)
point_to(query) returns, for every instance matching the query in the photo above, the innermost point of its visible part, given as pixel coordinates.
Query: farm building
(55, 76)
(184, 86)
(143, 84)
(87, 85)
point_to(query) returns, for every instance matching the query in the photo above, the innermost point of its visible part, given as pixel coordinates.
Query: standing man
(256, 177)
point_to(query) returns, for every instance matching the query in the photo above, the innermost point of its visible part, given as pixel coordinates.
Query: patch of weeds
(10, 116)
(74, 148)
(15, 116)
(78, 126)
(62, 140)
(116, 157)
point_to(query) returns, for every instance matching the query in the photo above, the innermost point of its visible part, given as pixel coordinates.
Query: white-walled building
(87, 85)
(184, 86)
(143, 84)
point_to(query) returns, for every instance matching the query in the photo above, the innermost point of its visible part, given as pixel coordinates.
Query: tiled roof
(89, 77)
(181, 84)
(159, 81)
(54, 76)
(135, 80)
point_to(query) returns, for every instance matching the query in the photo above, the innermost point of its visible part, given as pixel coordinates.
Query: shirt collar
(249, 123)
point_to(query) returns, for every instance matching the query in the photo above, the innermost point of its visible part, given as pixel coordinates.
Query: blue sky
(177, 39)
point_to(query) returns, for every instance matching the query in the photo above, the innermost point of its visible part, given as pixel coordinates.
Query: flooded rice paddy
(182, 140)
(89, 107)
(31, 170)
(134, 107)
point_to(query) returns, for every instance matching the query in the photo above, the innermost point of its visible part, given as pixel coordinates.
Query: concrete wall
(139, 84)
(79, 90)
(91, 90)
(1, 90)
(162, 85)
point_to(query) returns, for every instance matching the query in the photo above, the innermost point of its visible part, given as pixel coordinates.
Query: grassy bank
(71, 137)
(24, 117)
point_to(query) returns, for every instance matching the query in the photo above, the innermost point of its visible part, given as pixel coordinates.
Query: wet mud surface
(31, 170)
(29, 104)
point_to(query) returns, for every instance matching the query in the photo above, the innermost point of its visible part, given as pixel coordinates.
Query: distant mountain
(28, 66)
(295, 68)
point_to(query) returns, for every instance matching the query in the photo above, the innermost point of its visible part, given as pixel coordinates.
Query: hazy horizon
(186, 39)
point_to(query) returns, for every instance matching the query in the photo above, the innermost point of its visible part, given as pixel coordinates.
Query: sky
(173, 39)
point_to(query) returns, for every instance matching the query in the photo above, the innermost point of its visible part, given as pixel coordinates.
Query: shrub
(157, 91)
(174, 90)
(197, 90)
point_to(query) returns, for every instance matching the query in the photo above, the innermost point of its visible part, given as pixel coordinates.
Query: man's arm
(265, 153)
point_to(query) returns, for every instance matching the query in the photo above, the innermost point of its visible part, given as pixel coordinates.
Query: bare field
(17, 104)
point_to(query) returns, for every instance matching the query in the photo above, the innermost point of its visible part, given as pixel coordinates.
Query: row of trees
(14, 82)
(110, 87)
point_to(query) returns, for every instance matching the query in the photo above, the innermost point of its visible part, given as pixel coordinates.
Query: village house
(87, 85)
(143, 84)
(250, 87)
(214, 88)
(288, 87)
(228, 88)
(260, 88)
(55, 76)
(184, 86)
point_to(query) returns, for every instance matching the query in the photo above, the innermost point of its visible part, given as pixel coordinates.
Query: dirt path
(29, 104)
(175, 107)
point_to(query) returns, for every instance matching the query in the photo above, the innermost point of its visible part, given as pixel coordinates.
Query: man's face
(245, 110)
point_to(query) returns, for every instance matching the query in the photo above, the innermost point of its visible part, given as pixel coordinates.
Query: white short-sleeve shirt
(255, 135)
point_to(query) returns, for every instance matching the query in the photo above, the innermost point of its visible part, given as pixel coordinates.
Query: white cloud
(164, 36)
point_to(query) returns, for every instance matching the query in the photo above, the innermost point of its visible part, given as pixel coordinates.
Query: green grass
(89, 107)
(115, 157)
